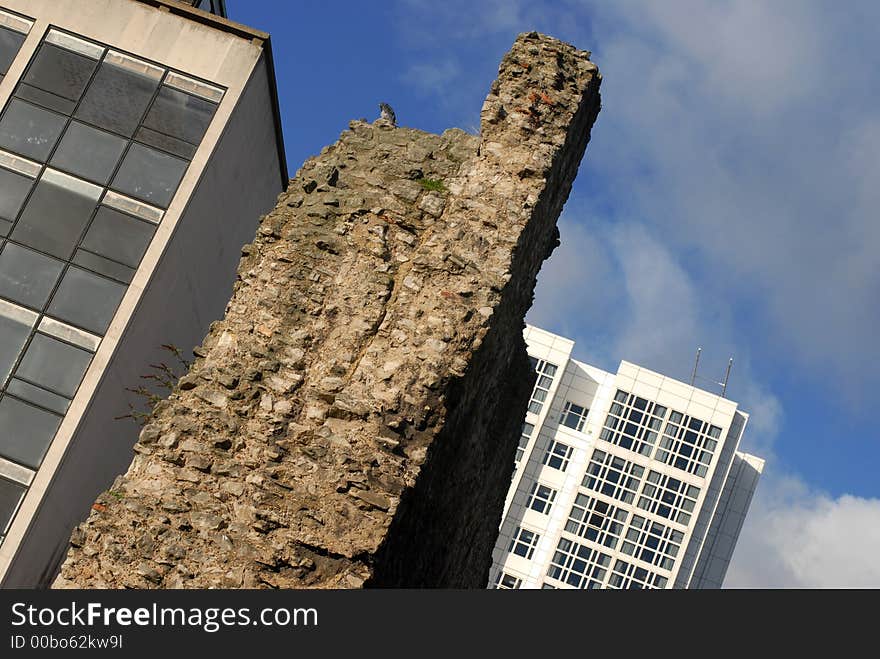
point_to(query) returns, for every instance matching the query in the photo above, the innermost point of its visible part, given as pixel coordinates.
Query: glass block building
(622, 480)
(139, 143)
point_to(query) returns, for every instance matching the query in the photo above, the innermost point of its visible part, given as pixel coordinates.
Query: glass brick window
(574, 416)
(557, 455)
(545, 371)
(613, 476)
(523, 543)
(633, 423)
(524, 438)
(652, 542)
(578, 565)
(596, 520)
(13, 31)
(506, 581)
(541, 498)
(669, 497)
(11, 494)
(688, 443)
(628, 576)
(93, 144)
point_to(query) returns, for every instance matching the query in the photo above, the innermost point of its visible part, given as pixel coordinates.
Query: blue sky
(728, 200)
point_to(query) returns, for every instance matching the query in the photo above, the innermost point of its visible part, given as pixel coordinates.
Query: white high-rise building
(622, 480)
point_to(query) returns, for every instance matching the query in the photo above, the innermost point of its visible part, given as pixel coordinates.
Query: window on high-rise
(557, 455)
(506, 581)
(596, 520)
(523, 543)
(669, 497)
(545, 371)
(574, 416)
(688, 443)
(524, 438)
(652, 542)
(628, 576)
(633, 423)
(541, 498)
(613, 476)
(578, 565)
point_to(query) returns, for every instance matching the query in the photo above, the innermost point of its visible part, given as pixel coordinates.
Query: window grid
(523, 543)
(524, 438)
(36, 179)
(67, 312)
(11, 495)
(558, 455)
(613, 476)
(506, 581)
(541, 498)
(596, 520)
(688, 443)
(578, 565)
(545, 371)
(652, 542)
(628, 576)
(633, 423)
(574, 416)
(669, 497)
(13, 31)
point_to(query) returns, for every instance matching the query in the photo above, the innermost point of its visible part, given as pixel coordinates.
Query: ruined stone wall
(352, 420)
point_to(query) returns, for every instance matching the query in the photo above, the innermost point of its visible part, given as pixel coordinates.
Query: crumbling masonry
(353, 418)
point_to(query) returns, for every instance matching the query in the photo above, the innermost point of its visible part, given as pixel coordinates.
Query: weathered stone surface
(352, 419)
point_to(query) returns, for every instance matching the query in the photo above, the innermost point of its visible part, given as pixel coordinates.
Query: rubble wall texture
(353, 418)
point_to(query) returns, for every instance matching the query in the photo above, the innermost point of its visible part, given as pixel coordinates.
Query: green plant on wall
(432, 184)
(160, 382)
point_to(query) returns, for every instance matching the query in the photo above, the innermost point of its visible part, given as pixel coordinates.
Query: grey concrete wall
(188, 290)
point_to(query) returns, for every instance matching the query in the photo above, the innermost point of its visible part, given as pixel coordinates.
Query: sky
(727, 200)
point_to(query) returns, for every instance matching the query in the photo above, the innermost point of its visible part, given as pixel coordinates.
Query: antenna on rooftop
(726, 377)
(696, 363)
(722, 384)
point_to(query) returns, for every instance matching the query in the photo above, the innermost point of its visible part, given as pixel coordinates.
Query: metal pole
(726, 376)
(696, 363)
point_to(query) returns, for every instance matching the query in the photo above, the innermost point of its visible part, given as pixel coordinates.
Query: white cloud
(664, 310)
(745, 133)
(736, 50)
(794, 537)
(425, 20)
(616, 289)
(432, 77)
(576, 285)
(765, 412)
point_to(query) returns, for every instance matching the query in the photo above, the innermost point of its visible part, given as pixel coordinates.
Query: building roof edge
(243, 31)
(207, 18)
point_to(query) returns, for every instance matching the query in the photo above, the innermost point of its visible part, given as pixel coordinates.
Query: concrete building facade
(622, 480)
(139, 143)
